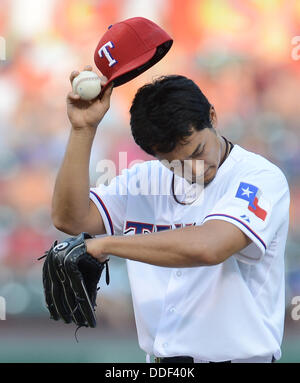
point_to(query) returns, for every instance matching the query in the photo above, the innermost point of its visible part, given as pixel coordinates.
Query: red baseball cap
(129, 48)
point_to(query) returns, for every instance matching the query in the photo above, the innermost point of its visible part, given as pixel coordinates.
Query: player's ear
(213, 116)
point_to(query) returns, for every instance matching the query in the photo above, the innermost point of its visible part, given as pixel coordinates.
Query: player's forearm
(70, 202)
(172, 248)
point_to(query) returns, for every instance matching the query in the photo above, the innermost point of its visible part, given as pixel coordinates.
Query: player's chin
(209, 175)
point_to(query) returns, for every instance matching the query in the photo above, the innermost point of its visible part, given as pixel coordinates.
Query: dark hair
(164, 112)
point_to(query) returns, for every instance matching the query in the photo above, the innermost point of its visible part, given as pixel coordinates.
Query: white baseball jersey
(230, 311)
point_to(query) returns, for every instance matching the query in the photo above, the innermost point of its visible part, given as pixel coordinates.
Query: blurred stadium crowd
(238, 52)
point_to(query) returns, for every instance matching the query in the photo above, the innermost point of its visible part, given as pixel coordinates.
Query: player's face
(206, 145)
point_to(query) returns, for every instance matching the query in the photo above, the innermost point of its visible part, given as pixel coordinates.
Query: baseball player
(206, 273)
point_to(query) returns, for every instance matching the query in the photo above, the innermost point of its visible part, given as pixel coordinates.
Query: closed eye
(199, 153)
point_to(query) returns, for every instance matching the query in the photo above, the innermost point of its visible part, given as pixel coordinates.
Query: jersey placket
(166, 330)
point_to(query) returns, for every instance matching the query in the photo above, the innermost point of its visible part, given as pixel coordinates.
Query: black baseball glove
(70, 279)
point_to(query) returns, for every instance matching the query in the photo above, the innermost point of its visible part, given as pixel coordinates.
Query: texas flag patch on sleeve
(252, 194)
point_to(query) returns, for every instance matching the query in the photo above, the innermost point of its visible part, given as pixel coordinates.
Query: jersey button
(178, 273)
(172, 310)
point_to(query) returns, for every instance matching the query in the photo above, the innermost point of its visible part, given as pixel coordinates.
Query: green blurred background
(242, 54)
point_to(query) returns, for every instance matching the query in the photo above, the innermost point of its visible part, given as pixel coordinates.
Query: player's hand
(87, 114)
(95, 247)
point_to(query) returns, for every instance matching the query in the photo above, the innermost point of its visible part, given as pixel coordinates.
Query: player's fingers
(73, 96)
(103, 80)
(88, 67)
(107, 93)
(74, 74)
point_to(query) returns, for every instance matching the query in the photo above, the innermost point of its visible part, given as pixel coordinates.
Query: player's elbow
(207, 256)
(64, 225)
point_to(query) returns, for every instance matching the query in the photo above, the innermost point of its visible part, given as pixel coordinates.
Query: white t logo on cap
(104, 50)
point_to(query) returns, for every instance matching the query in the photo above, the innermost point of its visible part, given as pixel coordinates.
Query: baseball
(87, 85)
